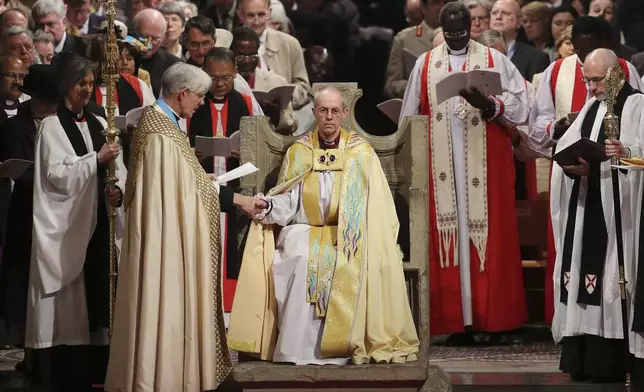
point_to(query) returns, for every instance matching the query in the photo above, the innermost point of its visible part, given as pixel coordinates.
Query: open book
(243, 170)
(280, 95)
(14, 168)
(130, 119)
(584, 148)
(409, 61)
(487, 82)
(391, 108)
(217, 146)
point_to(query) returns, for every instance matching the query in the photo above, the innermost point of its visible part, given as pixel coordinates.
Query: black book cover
(584, 148)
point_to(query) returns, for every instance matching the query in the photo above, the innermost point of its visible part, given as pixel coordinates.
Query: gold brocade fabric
(324, 233)
(367, 313)
(169, 326)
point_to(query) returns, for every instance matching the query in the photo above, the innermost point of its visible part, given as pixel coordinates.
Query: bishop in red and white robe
(221, 118)
(562, 91)
(476, 277)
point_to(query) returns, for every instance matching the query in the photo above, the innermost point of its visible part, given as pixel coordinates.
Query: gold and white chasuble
(331, 281)
(169, 332)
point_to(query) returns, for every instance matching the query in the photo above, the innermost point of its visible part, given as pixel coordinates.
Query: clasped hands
(251, 206)
(614, 148)
(107, 154)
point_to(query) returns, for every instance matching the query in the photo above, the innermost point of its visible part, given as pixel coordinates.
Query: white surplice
(544, 113)
(300, 330)
(605, 320)
(516, 107)
(65, 207)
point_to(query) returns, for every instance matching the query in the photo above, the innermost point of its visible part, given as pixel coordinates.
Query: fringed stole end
(447, 247)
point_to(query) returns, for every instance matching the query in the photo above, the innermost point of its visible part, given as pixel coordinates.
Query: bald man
(413, 12)
(588, 316)
(150, 25)
(323, 247)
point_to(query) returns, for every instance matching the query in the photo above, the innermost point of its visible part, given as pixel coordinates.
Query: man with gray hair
(18, 41)
(44, 46)
(493, 39)
(172, 238)
(49, 16)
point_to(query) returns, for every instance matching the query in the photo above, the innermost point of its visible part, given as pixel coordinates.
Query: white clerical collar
(461, 52)
(59, 47)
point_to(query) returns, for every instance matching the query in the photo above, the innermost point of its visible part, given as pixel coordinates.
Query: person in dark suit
(506, 19)
(49, 16)
(149, 25)
(82, 21)
(638, 62)
(17, 138)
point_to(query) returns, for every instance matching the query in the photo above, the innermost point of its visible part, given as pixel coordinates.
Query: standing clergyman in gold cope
(331, 282)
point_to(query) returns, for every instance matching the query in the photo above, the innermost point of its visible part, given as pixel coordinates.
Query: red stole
(497, 294)
(133, 81)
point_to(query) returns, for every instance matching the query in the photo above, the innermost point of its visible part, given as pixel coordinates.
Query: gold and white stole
(565, 86)
(442, 161)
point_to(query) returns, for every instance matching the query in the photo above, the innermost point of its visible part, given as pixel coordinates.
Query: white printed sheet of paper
(14, 168)
(243, 170)
(217, 146)
(391, 108)
(130, 119)
(280, 95)
(487, 82)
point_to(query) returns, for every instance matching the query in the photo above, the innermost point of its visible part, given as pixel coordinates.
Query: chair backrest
(404, 159)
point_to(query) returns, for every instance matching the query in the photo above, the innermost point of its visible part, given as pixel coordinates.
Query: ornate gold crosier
(615, 80)
(110, 76)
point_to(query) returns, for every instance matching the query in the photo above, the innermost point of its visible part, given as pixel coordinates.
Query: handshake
(251, 206)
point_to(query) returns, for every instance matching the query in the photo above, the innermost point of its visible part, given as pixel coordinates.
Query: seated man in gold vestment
(329, 286)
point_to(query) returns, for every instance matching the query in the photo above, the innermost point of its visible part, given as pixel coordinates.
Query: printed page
(391, 108)
(487, 82)
(243, 170)
(213, 146)
(450, 86)
(132, 117)
(14, 168)
(280, 95)
(235, 141)
(119, 122)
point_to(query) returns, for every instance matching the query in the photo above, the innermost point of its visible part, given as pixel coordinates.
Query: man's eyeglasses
(13, 76)
(455, 35)
(596, 79)
(245, 57)
(224, 78)
(335, 112)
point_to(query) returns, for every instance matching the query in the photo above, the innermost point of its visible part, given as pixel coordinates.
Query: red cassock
(498, 297)
(580, 92)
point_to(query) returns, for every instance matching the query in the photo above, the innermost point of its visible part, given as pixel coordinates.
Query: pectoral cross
(461, 111)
